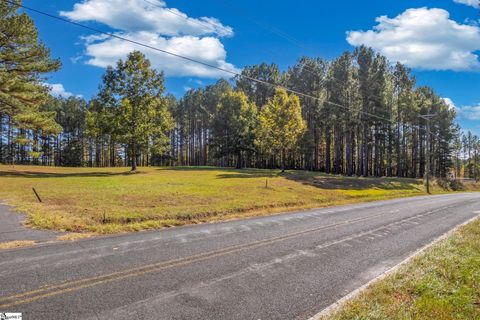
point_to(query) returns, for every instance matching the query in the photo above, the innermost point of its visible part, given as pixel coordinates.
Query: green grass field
(441, 284)
(110, 200)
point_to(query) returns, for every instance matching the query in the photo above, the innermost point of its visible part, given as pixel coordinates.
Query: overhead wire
(205, 64)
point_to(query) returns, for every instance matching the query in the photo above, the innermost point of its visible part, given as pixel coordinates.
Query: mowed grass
(441, 284)
(110, 200)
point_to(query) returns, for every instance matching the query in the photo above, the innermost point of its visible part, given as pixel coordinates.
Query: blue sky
(439, 39)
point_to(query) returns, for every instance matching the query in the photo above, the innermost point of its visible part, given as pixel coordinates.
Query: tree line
(355, 115)
(466, 156)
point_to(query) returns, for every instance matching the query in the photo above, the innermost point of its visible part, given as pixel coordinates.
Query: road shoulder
(398, 292)
(14, 234)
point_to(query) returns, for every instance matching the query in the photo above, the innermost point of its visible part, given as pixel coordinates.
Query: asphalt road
(289, 266)
(12, 228)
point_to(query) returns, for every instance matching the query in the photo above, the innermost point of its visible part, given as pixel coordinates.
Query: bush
(456, 185)
(450, 184)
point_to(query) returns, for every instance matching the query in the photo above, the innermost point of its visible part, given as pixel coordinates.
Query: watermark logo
(10, 316)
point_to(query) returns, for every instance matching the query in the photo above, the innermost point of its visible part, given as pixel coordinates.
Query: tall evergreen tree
(144, 120)
(234, 125)
(23, 59)
(259, 93)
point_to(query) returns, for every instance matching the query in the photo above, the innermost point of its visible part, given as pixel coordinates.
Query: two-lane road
(288, 266)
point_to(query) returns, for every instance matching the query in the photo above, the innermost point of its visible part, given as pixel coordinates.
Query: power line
(267, 27)
(120, 37)
(194, 60)
(264, 26)
(272, 29)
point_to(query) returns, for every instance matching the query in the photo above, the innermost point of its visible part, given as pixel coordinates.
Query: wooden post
(427, 118)
(38, 197)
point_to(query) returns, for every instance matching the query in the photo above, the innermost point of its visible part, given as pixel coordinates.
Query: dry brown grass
(75, 236)
(16, 244)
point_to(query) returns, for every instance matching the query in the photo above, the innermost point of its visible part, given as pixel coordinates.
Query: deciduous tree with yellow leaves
(280, 125)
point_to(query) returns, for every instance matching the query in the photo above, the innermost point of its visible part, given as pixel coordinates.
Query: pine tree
(233, 126)
(308, 76)
(144, 120)
(23, 59)
(259, 93)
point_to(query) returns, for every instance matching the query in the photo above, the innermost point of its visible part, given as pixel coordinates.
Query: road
(288, 266)
(12, 228)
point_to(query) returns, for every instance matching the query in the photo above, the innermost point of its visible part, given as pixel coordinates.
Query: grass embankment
(443, 283)
(112, 200)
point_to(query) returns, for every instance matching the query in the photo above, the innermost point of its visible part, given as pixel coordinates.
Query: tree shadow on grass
(37, 174)
(230, 173)
(195, 168)
(316, 179)
(251, 173)
(337, 182)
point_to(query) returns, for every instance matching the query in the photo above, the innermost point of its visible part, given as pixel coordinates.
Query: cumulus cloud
(472, 3)
(465, 112)
(423, 38)
(469, 112)
(151, 22)
(57, 90)
(449, 102)
(210, 50)
(145, 15)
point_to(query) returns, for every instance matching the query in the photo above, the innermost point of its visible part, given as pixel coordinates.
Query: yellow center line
(70, 286)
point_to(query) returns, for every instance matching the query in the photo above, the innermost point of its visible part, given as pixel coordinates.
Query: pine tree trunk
(11, 153)
(1, 138)
(338, 149)
(316, 156)
(376, 160)
(390, 151)
(365, 151)
(239, 160)
(349, 153)
(134, 157)
(399, 152)
(328, 142)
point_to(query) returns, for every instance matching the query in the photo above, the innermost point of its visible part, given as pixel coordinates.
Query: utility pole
(427, 118)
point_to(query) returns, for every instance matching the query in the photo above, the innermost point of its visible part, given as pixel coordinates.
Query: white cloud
(152, 23)
(423, 38)
(145, 15)
(465, 112)
(57, 90)
(207, 49)
(472, 3)
(449, 102)
(469, 112)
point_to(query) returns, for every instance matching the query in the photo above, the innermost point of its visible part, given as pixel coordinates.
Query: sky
(438, 39)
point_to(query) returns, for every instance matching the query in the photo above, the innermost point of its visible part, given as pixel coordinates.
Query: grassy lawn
(443, 283)
(109, 200)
